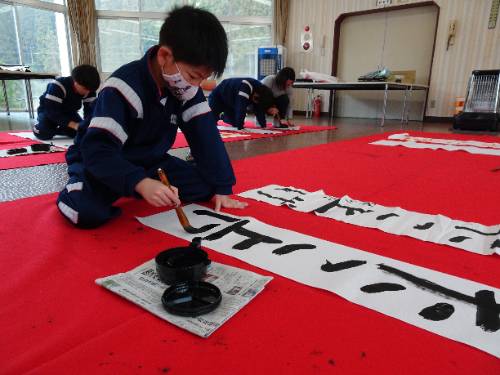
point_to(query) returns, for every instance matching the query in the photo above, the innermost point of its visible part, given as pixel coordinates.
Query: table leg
(30, 98)
(310, 96)
(385, 105)
(408, 108)
(307, 102)
(331, 104)
(423, 106)
(404, 107)
(5, 96)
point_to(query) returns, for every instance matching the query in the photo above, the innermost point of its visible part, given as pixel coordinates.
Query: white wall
(476, 46)
(409, 41)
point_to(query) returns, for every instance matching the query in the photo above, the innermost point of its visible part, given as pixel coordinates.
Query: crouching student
(135, 122)
(281, 86)
(61, 101)
(234, 96)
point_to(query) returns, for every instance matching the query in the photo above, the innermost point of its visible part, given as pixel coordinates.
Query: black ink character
(336, 203)
(487, 313)
(439, 311)
(289, 202)
(254, 238)
(382, 287)
(424, 226)
(287, 249)
(383, 217)
(329, 267)
(463, 238)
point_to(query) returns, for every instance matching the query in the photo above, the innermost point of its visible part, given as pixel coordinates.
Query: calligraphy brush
(178, 210)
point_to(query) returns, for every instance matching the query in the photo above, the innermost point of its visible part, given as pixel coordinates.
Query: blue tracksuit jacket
(59, 105)
(134, 125)
(232, 96)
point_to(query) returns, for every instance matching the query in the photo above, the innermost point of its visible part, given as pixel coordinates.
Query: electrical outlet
(432, 103)
(383, 3)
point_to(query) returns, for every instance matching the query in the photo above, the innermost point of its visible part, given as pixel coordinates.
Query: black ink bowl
(183, 268)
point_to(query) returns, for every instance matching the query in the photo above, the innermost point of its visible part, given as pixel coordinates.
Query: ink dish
(179, 264)
(191, 298)
(183, 268)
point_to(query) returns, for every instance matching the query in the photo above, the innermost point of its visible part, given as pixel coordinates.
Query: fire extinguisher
(317, 106)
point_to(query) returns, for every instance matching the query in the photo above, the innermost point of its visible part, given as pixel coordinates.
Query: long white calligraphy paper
(230, 134)
(456, 142)
(462, 310)
(249, 130)
(58, 140)
(472, 147)
(473, 237)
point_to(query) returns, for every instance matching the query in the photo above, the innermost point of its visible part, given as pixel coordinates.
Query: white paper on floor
(143, 286)
(456, 142)
(472, 147)
(456, 308)
(249, 130)
(474, 237)
(58, 140)
(230, 134)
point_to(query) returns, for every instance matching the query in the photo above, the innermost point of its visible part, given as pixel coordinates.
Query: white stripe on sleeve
(248, 83)
(53, 98)
(129, 94)
(195, 110)
(56, 82)
(77, 186)
(110, 125)
(244, 94)
(68, 212)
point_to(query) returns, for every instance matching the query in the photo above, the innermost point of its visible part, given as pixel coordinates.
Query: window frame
(40, 5)
(147, 15)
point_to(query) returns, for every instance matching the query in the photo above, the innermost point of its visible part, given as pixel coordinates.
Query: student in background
(281, 86)
(233, 96)
(135, 122)
(61, 101)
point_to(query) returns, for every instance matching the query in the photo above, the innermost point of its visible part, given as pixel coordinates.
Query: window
(236, 8)
(119, 42)
(128, 28)
(243, 43)
(36, 36)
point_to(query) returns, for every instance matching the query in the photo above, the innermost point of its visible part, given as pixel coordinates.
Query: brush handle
(178, 210)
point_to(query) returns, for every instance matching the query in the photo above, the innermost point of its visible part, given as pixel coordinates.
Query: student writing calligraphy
(135, 123)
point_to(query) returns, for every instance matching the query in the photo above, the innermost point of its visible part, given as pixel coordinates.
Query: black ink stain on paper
(424, 226)
(382, 287)
(330, 267)
(287, 249)
(437, 312)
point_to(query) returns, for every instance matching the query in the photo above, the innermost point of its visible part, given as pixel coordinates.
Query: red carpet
(56, 320)
(231, 135)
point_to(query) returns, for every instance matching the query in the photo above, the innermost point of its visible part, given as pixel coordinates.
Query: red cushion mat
(180, 141)
(56, 320)
(8, 141)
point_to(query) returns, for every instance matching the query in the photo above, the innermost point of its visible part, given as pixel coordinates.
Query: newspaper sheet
(143, 287)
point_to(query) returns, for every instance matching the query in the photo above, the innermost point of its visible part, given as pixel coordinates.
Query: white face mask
(178, 85)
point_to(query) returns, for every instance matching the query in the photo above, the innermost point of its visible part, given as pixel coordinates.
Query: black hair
(87, 76)
(195, 37)
(266, 98)
(284, 75)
